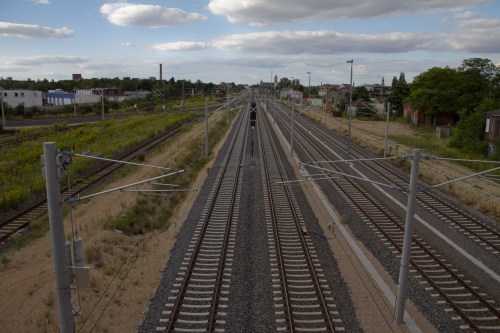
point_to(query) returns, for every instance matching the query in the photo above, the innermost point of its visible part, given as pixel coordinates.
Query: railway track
(302, 297)
(471, 306)
(484, 235)
(18, 141)
(199, 299)
(22, 219)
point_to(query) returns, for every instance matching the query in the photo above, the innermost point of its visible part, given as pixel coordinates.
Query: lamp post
(102, 103)
(309, 94)
(350, 110)
(3, 111)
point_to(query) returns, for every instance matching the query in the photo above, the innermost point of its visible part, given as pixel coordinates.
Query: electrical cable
(109, 285)
(117, 288)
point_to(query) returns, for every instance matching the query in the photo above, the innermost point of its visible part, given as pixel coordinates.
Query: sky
(244, 41)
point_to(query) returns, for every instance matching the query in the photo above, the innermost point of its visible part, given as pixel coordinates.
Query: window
(16, 94)
(22, 94)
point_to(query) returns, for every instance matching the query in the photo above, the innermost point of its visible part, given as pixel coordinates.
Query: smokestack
(161, 72)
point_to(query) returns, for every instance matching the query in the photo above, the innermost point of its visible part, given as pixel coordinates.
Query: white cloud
(476, 33)
(180, 46)
(127, 44)
(42, 2)
(33, 31)
(41, 60)
(154, 16)
(261, 12)
(325, 42)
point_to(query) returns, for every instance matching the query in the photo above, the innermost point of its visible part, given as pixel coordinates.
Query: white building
(58, 97)
(28, 98)
(290, 93)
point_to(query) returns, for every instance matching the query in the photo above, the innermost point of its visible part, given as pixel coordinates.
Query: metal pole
(387, 129)
(227, 111)
(206, 127)
(405, 257)
(102, 99)
(350, 111)
(182, 104)
(309, 84)
(3, 111)
(325, 112)
(274, 109)
(58, 241)
(293, 122)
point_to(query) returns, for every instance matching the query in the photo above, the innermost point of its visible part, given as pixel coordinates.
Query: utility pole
(227, 100)
(407, 240)
(182, 104)
(387, 128)
(3, 111)
(206, 127)
(350, 111)
(309, 84)
(102, 99)
(52, 170)
(293, 122)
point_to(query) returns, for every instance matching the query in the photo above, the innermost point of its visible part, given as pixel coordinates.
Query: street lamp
(3, 111)
(350, 111)
(102, 103)
(309, 84)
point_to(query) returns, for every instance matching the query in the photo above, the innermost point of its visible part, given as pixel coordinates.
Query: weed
(110, 270)
(18, 240)
(94, 255)
(4, 260)
(50, 301)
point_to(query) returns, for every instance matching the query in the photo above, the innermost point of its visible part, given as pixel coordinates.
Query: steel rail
(323, 305)
(189, 271)
(426, 198)
(388, 217)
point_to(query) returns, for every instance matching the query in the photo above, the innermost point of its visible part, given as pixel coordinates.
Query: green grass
(20, 167)
(430, 144)
(153, 212)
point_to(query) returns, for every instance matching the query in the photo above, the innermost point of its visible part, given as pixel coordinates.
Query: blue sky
(244, 41)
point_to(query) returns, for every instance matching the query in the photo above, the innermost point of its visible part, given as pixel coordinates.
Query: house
(492, 129)
(27, 98)
(290, 93)
(418, 116)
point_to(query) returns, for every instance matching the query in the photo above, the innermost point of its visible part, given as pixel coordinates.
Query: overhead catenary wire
(356, 160)
(124, 186)
(465, 177)
(352, 176)
(118, 161)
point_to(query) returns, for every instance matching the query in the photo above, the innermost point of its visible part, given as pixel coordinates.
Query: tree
(476, 82)
(361, 92)
(400, 91)
(284, 83)
(435, 91)
(480, 66)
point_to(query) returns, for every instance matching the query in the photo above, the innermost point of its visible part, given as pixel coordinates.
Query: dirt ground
(27, 280)
(116, 305)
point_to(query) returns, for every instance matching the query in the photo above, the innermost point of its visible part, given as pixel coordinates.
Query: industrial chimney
(161, 73)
